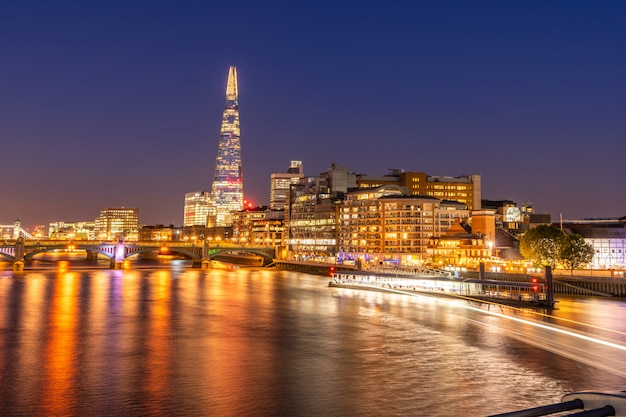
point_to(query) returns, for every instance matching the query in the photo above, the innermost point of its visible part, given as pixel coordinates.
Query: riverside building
(386, 225)
(311, 215)
(344, 216)
(465, 189)
(606, 236)
(258, 226)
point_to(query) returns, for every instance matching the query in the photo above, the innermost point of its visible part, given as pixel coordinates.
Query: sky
(118, 103)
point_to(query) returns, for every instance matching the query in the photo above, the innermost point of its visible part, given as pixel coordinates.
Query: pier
(530, 294)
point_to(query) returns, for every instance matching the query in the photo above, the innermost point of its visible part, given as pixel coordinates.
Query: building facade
(465, 189)
(312, 212)
(199, 209)
(258, 226)
(386, 225)
(281, 182)
(72, 230)
(606, 236)
(227, 189)
(458, 248)
(158, 233)
(117, 222)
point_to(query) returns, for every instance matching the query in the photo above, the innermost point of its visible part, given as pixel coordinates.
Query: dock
(442, 283)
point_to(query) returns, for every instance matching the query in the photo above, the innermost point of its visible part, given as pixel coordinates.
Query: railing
(594, 404)
(409, 270)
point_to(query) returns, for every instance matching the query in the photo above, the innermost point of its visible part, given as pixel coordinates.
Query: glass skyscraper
(227, 187)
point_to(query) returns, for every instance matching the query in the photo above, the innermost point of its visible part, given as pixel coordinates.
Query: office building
(465, 189)
(280, 183)
(311, 215)
(72, 230)
(113, 223)
(199, 209)
(227, 189)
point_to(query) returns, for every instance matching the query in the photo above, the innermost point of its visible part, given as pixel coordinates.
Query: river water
(176, 341)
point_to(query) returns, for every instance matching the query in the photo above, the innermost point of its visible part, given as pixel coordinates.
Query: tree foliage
(548, 246)
(576, 252)
(542, 245)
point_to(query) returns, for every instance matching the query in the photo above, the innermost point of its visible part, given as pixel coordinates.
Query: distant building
(227, 189)
(466, 189)
(72, 230)
(39, 231)
(281, 182)
(258, 226)
(117, 222)
(158, 233)
(199, 207)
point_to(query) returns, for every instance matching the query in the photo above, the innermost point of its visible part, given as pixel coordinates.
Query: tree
(575, 252)
(542, 245)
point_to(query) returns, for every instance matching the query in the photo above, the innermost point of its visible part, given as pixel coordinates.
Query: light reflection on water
(259, 342)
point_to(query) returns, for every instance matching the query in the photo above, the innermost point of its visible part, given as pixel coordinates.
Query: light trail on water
(590, 350)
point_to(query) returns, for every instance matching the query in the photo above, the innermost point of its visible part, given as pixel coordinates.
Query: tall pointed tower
(228, 183)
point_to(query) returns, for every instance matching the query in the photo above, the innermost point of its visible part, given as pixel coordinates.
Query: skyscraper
(227, 187)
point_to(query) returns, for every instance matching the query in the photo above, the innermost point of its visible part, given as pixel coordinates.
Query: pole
(550, 285)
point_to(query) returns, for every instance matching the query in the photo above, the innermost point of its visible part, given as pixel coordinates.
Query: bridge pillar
(18, 265)
(117, 261)
(206, 257)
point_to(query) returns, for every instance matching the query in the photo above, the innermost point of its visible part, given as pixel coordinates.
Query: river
(174, 341)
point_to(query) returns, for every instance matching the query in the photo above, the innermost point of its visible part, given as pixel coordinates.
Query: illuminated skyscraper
(227, 187)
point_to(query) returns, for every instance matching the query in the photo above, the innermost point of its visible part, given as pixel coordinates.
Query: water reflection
(259, 342)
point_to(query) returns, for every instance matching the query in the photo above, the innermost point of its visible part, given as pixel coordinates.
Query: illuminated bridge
(20, 250)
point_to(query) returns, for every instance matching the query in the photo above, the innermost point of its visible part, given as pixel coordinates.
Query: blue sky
(107, 103)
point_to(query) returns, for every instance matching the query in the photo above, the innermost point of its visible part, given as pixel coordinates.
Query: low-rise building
(606, 236)
(459, 247)
(258, 226)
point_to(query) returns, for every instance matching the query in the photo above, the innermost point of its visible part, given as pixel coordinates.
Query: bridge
(20, 250)
(15, 230)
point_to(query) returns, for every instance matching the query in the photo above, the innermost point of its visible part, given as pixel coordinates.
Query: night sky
(110, 104)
